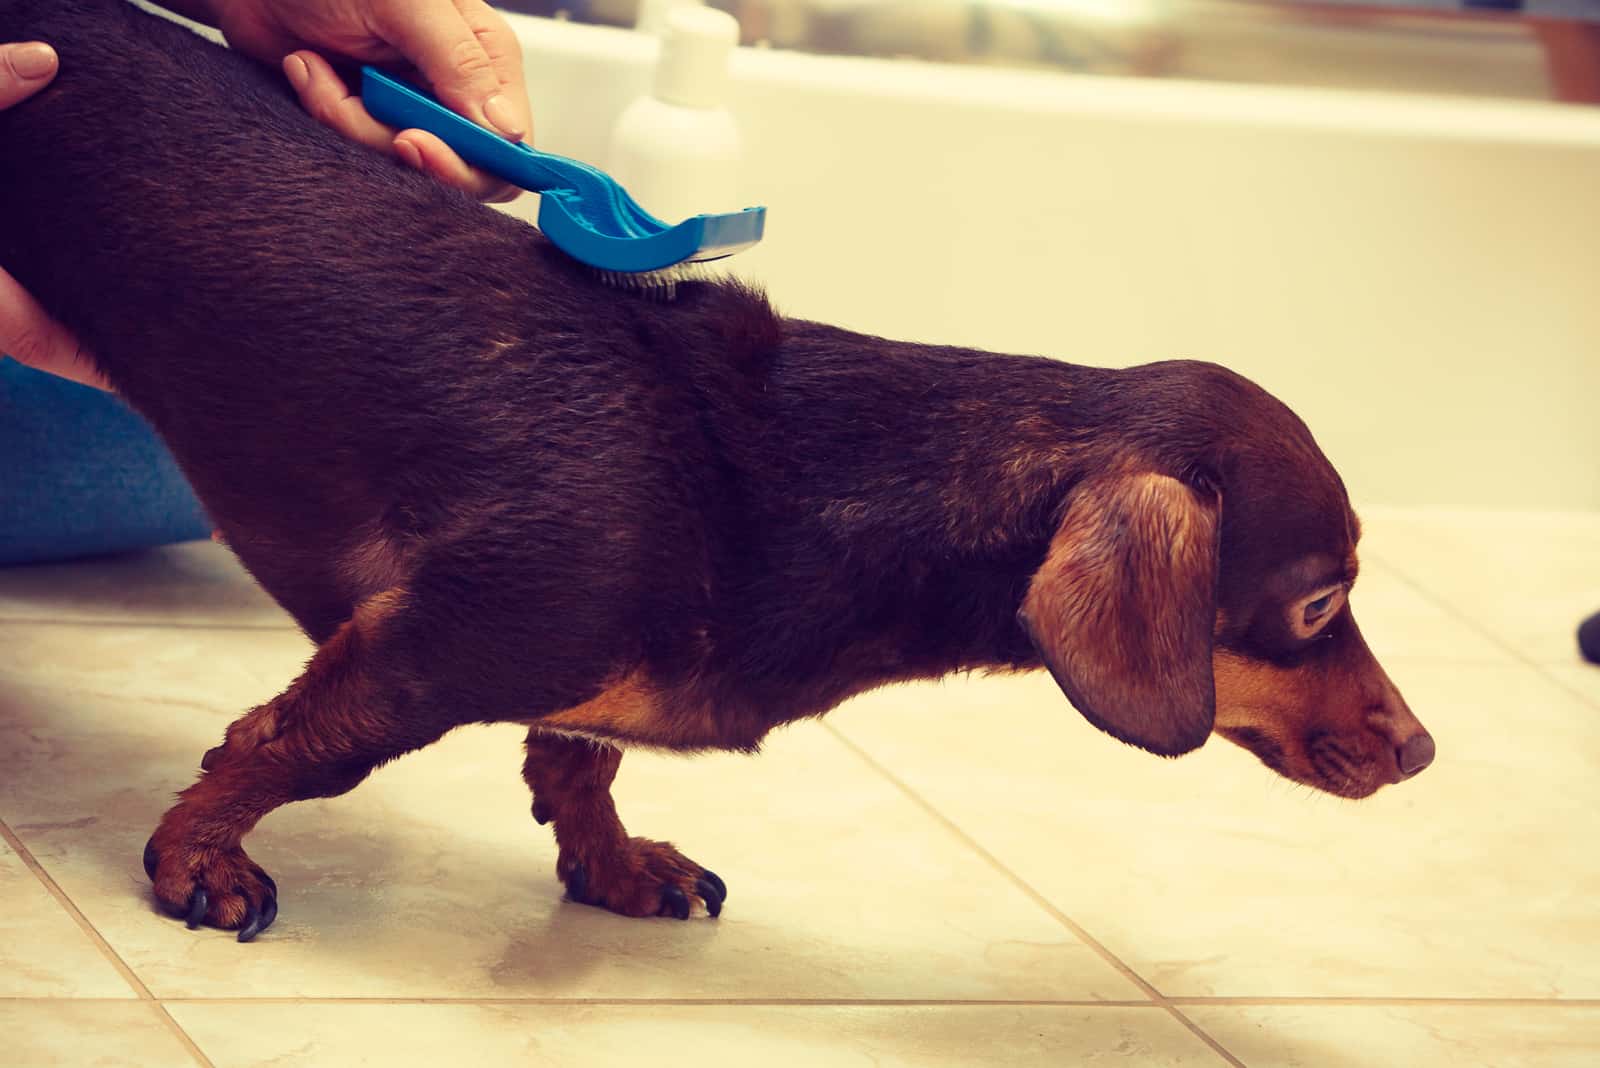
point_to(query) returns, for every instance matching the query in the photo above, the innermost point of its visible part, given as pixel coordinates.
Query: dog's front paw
(220, 887)
(643, 878)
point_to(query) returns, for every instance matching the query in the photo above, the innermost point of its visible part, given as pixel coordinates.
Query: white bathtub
(1416, 276)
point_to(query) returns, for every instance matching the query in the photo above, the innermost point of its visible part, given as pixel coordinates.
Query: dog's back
(350, 361)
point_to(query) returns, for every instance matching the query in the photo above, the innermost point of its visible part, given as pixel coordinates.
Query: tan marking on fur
(1287, 707)
(261, 724)
(982, 512)
(1038, 450)
(370, 615)
(1251, 693)
(633, 712)
(376, 561)
(498, 347)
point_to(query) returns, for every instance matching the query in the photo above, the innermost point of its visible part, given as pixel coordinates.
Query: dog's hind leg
(354, 708)
(599, 863)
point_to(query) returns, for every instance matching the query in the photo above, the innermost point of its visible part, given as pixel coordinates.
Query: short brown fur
(492, 490)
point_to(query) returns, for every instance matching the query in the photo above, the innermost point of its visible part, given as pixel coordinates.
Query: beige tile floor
(951, 874)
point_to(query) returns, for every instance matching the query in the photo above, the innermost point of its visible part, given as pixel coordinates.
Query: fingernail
(33, 60)
(497, 109)
(297, 72)
(409, 154)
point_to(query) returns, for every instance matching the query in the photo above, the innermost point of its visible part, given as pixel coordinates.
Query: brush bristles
(659, 285)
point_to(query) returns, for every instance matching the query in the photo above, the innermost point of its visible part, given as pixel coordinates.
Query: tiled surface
(1401, 621)
(198, 583)
(1212, 878)
(1525, 578)
(110, 722)
(691, 1036)
(45, 953)
(909, 881)
(94, 1034)
(1348, 1036)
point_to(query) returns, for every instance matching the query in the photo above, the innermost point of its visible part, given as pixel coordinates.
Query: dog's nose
(1415, 754)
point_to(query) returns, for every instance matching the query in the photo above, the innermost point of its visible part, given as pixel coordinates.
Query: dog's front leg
(599, 863)
(348, 713)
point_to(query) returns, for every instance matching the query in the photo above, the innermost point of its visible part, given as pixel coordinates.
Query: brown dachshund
(491, 489)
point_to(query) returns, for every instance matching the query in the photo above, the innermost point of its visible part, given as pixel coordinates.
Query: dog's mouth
(1335, 763)
(1342, 766)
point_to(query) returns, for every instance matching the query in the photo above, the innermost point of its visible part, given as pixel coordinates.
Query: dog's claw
(668, 885)
(258, 920)
(198, 903)
(258, 915)
(708, 893)
(674, 899)
(252, 924)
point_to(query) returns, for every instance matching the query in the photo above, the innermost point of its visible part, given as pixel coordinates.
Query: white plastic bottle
(676, 150)
(652, 15)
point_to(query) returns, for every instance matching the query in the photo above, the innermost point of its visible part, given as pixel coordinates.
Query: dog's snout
(1415, 754)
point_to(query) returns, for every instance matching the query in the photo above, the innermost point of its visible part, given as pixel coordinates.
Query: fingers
(26, 332)
(33, 338)
(425, 152)
(505, 52)
(447, 48)
(323, 93)
(24, 70)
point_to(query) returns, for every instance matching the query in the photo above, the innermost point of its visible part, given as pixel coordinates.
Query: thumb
(24, 70)
(35, 339)
(437, 38)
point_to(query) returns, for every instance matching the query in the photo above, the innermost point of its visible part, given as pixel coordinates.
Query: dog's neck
(953, 451)
(898, 485)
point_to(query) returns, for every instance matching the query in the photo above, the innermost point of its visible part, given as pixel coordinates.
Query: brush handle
(599, 199)
(583, 209)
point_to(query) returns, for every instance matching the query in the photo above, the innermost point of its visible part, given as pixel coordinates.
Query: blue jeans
(82, 475)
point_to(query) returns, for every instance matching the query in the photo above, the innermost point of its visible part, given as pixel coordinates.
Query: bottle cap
(693, 69)
(652, 16)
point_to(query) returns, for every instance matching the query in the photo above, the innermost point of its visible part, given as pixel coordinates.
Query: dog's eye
(1313, 612)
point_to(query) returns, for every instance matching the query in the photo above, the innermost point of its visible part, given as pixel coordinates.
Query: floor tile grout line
(1215, 1001)
(1077, 929)
(947, 1003)
(1386, 1001)
(994, 862)
(112, 957)
(1449, 608)
(1570, 691)
(60, 895)
(183, 1036)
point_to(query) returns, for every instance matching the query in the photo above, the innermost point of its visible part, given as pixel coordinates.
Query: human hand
(463, 48)
(26, 332)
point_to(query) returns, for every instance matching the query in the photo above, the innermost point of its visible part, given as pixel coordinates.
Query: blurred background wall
(1409, 260)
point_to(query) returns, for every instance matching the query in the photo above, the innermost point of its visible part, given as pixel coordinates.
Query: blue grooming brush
(581, 208)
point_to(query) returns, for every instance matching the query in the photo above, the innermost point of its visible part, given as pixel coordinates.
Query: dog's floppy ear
(1123, 607)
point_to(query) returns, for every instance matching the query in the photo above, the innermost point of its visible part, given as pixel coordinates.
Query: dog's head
(1209, 592)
